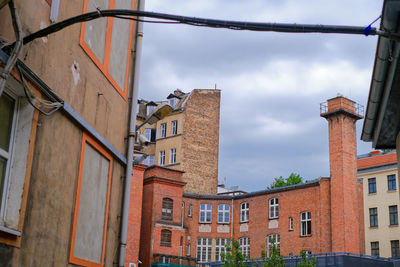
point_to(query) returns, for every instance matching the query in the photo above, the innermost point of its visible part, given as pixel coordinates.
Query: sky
(271, 84)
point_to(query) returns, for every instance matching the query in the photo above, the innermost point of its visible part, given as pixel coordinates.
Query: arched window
(165, 238)
(166, 212)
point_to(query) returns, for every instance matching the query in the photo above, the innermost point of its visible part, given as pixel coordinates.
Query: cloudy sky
(272, 83)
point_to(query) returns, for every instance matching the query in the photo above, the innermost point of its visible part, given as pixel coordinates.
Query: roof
(376, 160)
(382, 122)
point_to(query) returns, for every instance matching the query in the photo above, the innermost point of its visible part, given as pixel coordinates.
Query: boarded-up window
(166, 238)
(167, 205)
(91, 207)
(107, 41)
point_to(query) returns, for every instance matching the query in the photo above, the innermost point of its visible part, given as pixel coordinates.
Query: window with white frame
(190, 209)
(274, 239)
(172, 102)
(220, 247)
(205, 213)
(305, 222)
(172, 156)
(163, 130)
(273, 208)
(188, 250)
(150, 109)
(16, 117)
(290, 224)
(147, 133)
(161, 158)
(223, 213)
(204, 246)
(244, 246)
(174, 127)
(244, 212)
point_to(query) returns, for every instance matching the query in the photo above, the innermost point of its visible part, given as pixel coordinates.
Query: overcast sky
(271, 83)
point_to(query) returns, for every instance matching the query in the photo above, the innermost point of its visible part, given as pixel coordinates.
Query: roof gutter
(386, 57)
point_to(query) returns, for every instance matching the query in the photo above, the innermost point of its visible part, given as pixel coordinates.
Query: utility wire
(212, 23)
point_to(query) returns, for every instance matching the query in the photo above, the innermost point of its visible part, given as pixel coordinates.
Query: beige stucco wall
(382, 199)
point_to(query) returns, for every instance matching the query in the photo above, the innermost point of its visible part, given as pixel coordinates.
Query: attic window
(173, 101)
(150, 109)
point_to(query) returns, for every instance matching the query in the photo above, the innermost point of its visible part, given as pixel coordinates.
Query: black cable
(202, 22)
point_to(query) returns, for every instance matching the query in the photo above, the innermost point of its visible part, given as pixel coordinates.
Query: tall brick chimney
(346, 218)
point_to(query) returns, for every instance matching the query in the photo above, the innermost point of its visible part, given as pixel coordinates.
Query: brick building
(317, 216)
(378, 172)
(187, 139)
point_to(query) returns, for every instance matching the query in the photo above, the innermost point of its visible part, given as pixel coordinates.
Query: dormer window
(150, 109)
(173, 101)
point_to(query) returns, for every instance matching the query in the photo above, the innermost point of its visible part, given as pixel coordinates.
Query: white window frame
(203, 250)
(147, 133)
(244, 246)
(273, 208)
(149, 109)
(290, 223)
(244, 212)
(190, 210)
(172, 156)
(277, 238)
(174, 127)
(304, 228)
(163, 130)
(188, 250)
(220, 247)
(205, 209)
(161, 158)
(14, 179)
(224, 211)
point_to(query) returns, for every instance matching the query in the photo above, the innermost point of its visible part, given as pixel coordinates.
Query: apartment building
(63, 126)
(320, 216)
(379, 174)
(187, 139)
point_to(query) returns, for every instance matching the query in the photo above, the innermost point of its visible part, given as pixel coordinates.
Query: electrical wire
(203, 22)
(17, 46)
(33, 99)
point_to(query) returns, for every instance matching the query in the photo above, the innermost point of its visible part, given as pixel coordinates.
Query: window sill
(10, 231)
(245, 221)
(224, 223)
(303, 236)
(393, 225)
(166, 137)
(290, 230)
(392, 191)
(273, 218)
(204, 222)
(373, 227)
(371, 194)
(172, 164)
(165, 245)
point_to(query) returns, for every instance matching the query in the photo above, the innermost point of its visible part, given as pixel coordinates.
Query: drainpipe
(232, 219)
(131, 138)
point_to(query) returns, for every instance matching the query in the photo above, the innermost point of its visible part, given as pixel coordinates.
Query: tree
(275, 259)
(307, 261)
(233, 256)
(293, 178)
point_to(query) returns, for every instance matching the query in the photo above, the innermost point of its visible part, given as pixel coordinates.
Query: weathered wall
(200, 144)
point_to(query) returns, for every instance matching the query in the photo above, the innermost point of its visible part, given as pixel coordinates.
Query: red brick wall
(135, 216)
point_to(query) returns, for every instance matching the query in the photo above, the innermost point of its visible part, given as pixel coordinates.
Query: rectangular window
(290, 224)
(273, 208)
(244, 212)
(244, 246)
(188, 250)
(391, 182)
(107, 41)
(174, 127)
(271, 240)
(91, 206)
(371, 185)
(220, 247)
(373, 217)
(375, 249)
(165, 238)
(223, 213)
(393, 215)
(205, 213)
(17, 129)
(163, 130)
(172, 156)
(395, 248)
(150, 109)
(161, 158)
(204, 249)
(305, 221)
(167, 208)
(190, 210)
(147, 133)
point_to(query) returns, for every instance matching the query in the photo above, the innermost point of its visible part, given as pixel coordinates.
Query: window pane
(6, 118)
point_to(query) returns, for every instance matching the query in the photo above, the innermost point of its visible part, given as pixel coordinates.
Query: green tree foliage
(293, 178)
(307, 261)
(275, 260)
(233, 256)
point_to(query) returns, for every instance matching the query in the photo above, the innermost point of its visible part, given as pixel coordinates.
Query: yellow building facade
(381, 203)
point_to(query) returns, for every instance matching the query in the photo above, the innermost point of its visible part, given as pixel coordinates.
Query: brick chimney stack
(346, 217)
